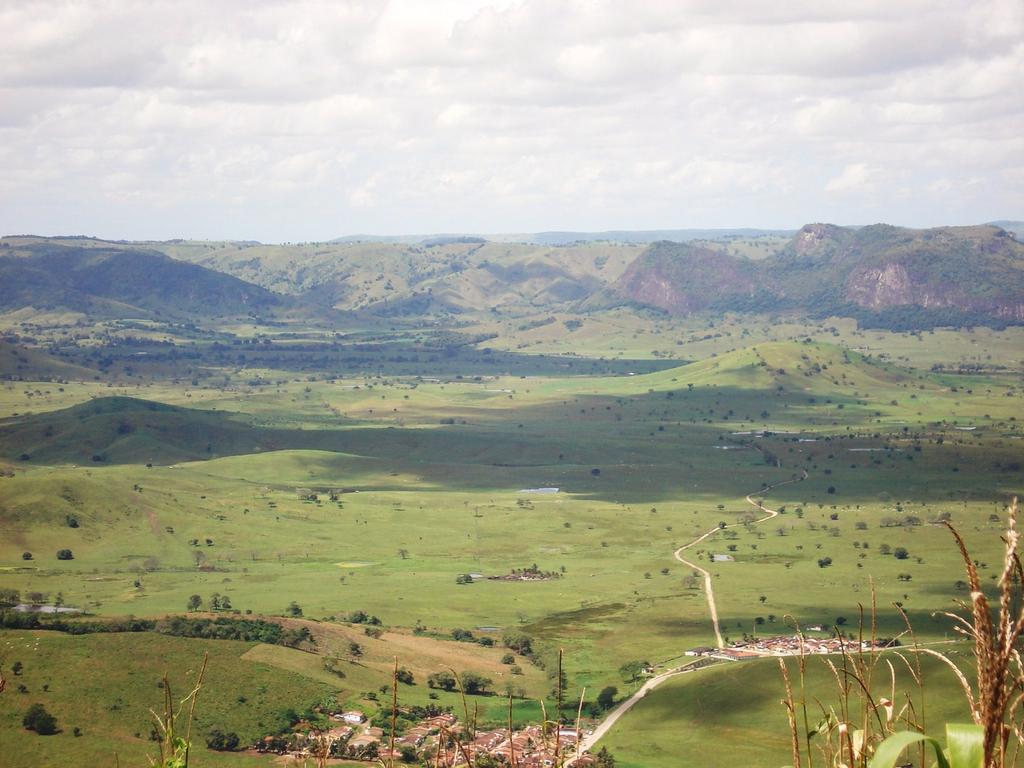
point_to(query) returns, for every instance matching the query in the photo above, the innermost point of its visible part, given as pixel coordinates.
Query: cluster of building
(529, 745)
(442, 739)
(789, 645)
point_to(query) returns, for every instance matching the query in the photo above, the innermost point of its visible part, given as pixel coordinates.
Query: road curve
(587, 742)
(708, 588)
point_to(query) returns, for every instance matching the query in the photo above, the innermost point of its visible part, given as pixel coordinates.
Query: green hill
(120, 281)
(125, 430)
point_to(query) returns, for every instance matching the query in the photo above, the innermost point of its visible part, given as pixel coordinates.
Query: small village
(789, 645)
(439, 738)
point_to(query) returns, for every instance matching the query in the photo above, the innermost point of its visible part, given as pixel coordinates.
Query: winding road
(587, 742)
(708, 588)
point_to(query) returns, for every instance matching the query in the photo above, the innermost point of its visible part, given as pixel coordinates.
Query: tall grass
(873, 721)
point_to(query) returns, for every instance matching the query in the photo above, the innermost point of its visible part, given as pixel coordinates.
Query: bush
(39, 720)
(65, 554)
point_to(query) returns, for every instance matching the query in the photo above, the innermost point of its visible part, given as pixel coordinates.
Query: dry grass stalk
(995, 700)
(1000, 676)
(394, 714)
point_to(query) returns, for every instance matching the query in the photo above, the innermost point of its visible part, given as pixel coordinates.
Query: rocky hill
(880, 274)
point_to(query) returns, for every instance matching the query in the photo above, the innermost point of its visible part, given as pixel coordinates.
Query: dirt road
(588, 742)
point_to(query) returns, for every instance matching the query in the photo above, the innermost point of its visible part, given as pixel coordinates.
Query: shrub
(65, 554)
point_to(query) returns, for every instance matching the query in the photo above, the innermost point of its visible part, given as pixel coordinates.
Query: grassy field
(106, 685)
(703, 718)
(438, 476)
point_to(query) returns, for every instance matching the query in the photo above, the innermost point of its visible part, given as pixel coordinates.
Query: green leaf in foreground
(889, 751)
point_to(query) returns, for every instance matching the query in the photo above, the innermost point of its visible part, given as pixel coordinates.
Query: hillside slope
(120, 281)
(879, 274)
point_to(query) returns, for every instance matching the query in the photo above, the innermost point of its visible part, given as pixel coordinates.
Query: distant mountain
(446, 275)
(118, 281)
(880, 274)
(569, 237)
(652, 235)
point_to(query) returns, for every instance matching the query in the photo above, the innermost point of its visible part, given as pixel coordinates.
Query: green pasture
(438, 476)
(733, 714)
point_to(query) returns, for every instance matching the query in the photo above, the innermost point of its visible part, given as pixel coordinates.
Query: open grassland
(439, 476)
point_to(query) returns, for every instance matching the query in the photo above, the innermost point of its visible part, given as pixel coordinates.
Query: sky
(305, 121)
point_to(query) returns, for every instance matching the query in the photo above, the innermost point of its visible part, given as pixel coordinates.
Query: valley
(312, 435)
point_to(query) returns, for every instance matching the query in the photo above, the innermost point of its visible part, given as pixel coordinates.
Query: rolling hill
(120, 281)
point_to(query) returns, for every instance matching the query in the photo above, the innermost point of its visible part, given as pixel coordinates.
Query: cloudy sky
(294, 121)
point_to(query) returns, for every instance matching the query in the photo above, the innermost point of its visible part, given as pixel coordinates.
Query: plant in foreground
(174, 748)
(862, 731)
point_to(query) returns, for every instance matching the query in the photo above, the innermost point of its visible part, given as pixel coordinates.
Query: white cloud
(299, 120)
(857, 177)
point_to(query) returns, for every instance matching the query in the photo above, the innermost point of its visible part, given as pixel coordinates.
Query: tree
(195, 602)
(39, 720)
(606, 698)
(632, 671)
(17, 668)
(355, 649)
(604, 757)
(405, 676)
(824, 562)
(26, 555)
(508, 658)
(404, 554)
(900, 553)
(294, 609)
(474, 684)
(215, 601)
(763, 599)
(9, 597)
(65, 554)
(222, 742)
(463, 578)
(518, 642)
(443, 680)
